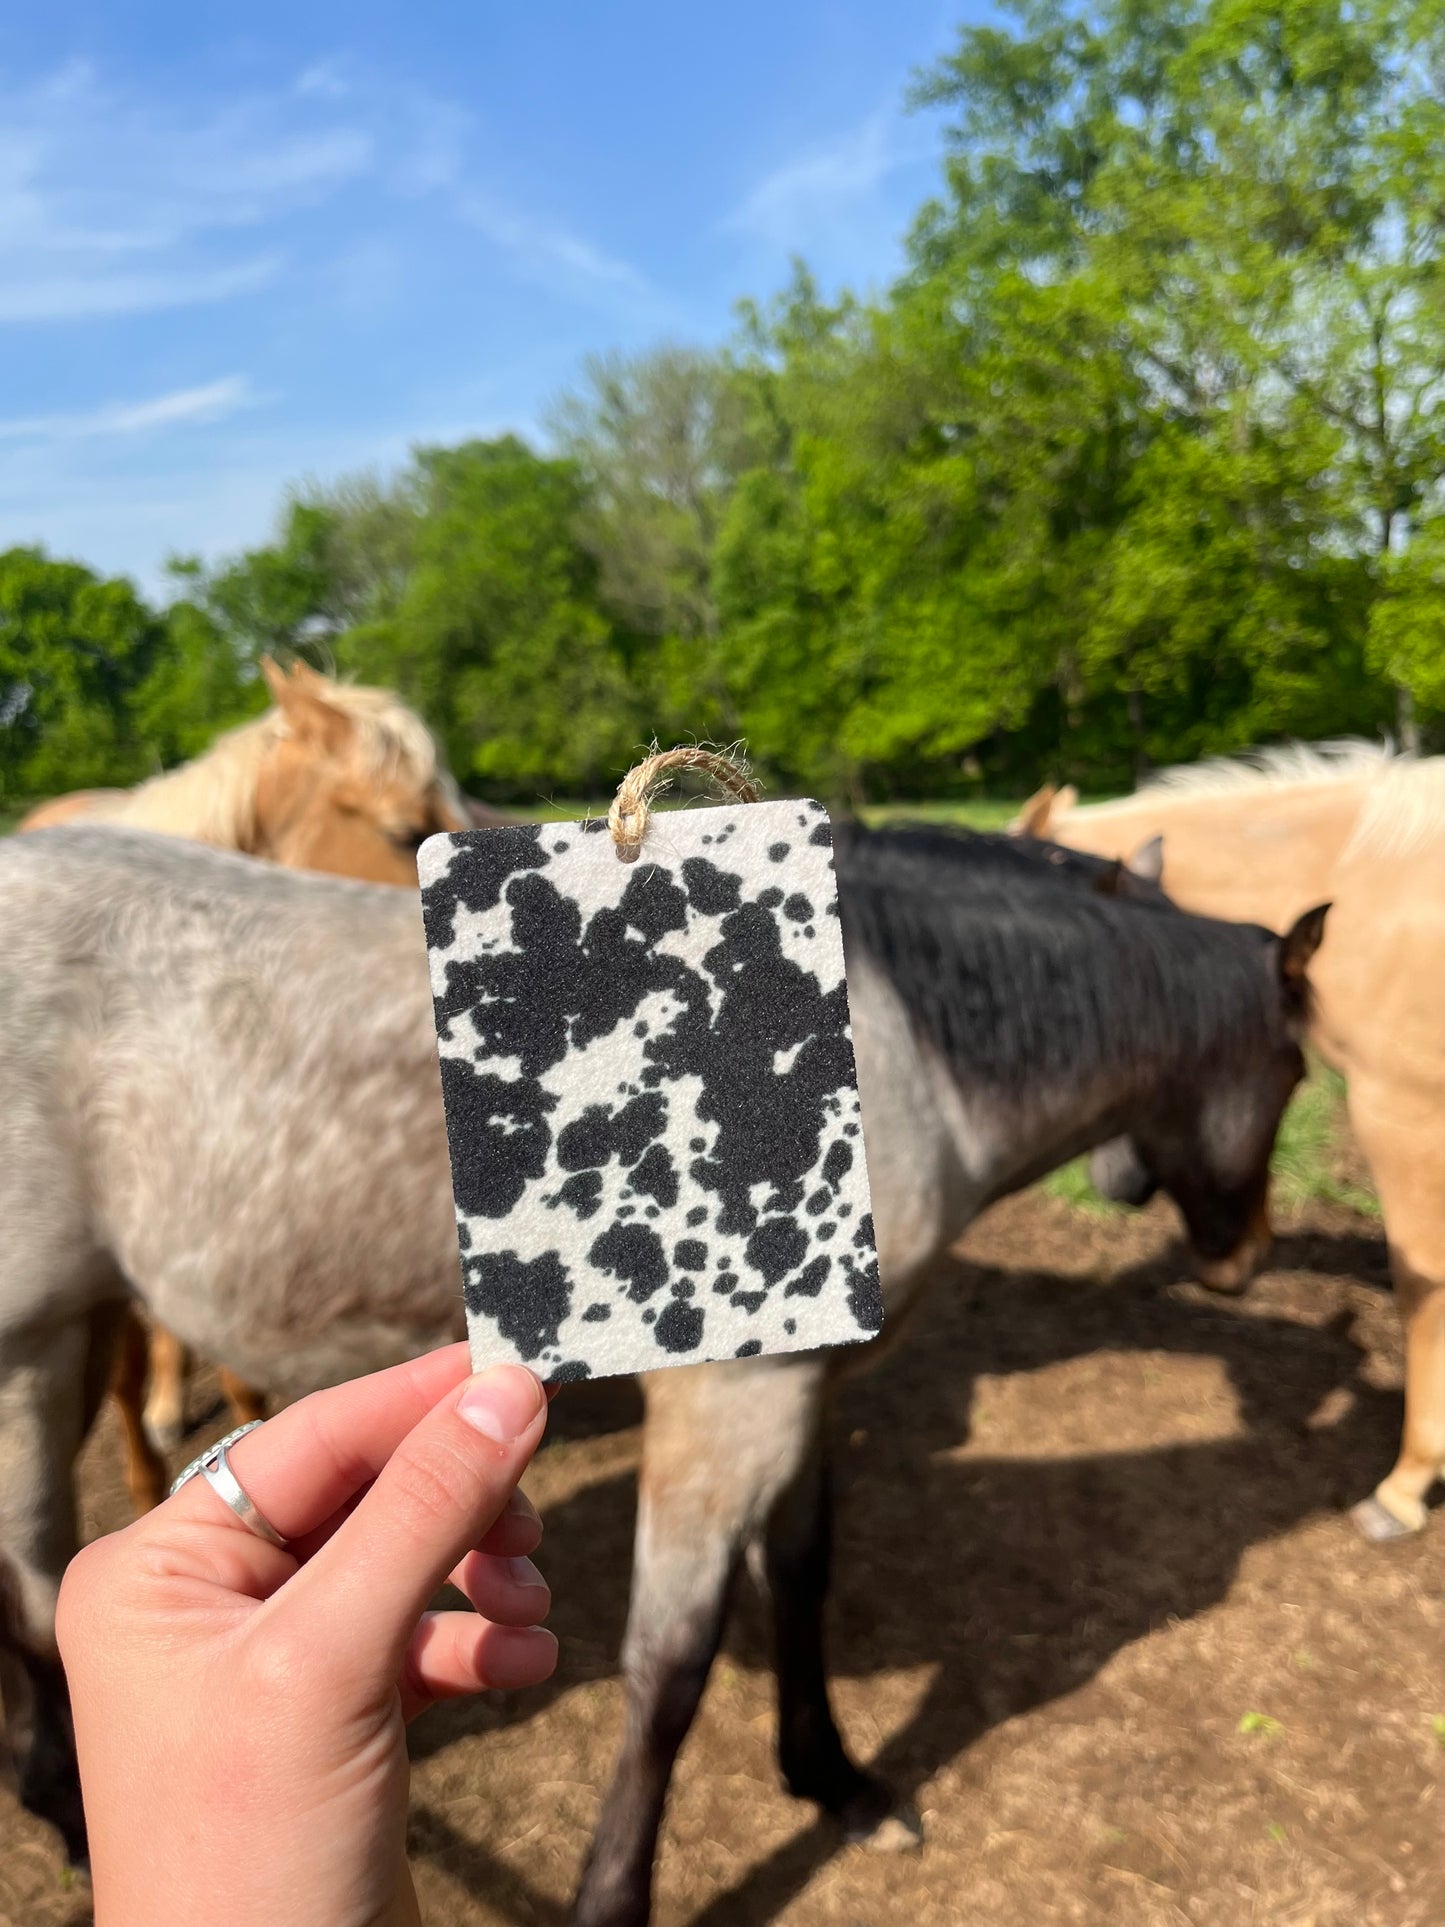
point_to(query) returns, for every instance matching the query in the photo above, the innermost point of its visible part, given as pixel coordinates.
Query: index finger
(304, 1464)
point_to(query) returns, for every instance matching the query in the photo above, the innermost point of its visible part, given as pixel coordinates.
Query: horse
(1260, 837)
(223, 1100)
(335, 777)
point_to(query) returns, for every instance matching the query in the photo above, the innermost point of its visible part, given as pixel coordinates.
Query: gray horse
(221, 1098)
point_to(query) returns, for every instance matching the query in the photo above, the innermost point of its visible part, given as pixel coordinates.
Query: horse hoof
(164, 1434)
(899, 1833)
(1223, 1279)
(1374, 1521)
(893, 1827)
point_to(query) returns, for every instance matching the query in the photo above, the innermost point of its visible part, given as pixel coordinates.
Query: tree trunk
(1134, 707)
(1407, 726)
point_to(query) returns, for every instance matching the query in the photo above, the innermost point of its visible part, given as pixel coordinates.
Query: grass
(970, 813)
(1262, 1724)
(1311, 1147)
(1070, 1184)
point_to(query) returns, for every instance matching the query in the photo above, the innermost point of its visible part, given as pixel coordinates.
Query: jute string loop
(645, 781)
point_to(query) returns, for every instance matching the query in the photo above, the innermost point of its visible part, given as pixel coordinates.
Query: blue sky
(242, 246)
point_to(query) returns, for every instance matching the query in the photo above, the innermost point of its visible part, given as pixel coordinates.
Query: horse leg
(43, 1374)
(1408, 1166)
(165, 1407)
(720, 1443)
(814, 1761)
(245, 1401)
(146, 1477)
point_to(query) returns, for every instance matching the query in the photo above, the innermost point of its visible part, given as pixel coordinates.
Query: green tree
(1407, 621)
(342, 556)
(1247, 199)
(498, 634)
(74, 649)
(199, 684)
(658, 440)
(908, 574)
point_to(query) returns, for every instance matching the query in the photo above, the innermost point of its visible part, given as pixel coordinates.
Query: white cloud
(80, 295)
(326, 79)
(112, 203)
(210, 403)
(823, 186)
(556, 259)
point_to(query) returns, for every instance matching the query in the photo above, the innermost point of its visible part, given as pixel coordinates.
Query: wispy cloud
(112, 203)
(553, 258)
(325, 79)
(209, 403)
(819, 188)
(78, 295)
(116, 203)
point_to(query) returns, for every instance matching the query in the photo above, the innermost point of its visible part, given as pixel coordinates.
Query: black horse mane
(1019, 959)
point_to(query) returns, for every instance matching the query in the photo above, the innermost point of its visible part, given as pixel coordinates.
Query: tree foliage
(1140, 460)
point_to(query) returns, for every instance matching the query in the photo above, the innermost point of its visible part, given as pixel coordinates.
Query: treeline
(1139, 461)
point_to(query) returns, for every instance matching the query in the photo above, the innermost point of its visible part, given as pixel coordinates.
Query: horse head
(354, 782)
(1210, 1148)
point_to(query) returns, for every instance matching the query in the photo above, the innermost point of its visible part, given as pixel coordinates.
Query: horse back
(232, 1091)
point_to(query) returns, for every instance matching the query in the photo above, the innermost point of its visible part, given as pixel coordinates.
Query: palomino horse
(333, 777)
(222, 1097)
(1352, 822)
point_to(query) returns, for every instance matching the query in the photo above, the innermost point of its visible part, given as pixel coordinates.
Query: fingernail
(522, 1572)
(501, 1403)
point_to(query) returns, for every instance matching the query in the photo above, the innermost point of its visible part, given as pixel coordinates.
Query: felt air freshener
(657, 1153)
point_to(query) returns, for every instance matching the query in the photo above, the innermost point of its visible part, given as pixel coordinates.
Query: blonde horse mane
(1283, 766)
(1403, 806)
(213, 798)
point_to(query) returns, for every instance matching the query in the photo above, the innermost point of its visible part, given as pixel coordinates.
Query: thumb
(432, 1501)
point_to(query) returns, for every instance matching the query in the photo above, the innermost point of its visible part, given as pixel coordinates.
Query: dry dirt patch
(1097, 1614)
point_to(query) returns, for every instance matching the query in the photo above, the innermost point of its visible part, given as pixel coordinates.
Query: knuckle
(280, 1666)
(83, 1593)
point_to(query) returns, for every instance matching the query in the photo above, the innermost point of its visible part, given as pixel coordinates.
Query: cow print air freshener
(656, 1150)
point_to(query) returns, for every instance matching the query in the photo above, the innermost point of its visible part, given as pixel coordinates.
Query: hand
(239, 1709)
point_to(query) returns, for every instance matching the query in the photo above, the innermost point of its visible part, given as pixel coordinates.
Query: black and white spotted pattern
(650, 1092)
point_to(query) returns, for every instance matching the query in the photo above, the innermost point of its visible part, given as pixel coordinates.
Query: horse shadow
(1084, 1553)
(1360, 1256)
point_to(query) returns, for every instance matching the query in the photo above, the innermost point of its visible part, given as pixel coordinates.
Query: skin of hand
(240, 1709)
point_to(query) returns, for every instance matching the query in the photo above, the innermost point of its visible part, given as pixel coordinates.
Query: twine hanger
(645, 781)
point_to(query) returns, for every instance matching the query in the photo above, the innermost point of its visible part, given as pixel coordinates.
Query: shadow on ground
(1016, 1579)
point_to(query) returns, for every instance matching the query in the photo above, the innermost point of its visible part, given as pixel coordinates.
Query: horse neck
(368, 995)
(211, 799)
(1255, 855)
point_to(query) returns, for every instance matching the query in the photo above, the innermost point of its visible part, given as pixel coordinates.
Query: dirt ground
(1098, 1615)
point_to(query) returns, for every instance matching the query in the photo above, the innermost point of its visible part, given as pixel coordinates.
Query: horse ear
(1299, 944)
(304, 698)
(1066, 799)
(1033, 818)
(275, 677)
(1147, 862)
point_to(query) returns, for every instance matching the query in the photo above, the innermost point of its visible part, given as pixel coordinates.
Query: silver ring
(215, 1468)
